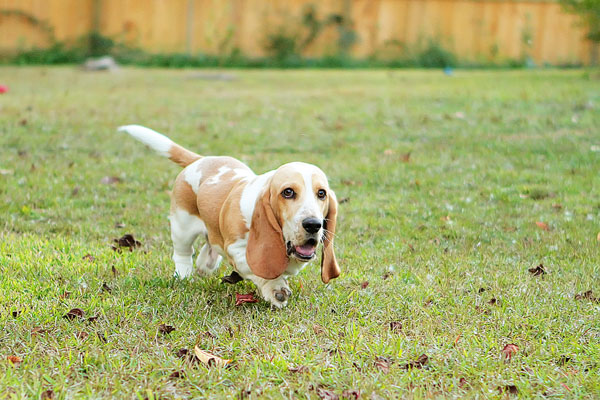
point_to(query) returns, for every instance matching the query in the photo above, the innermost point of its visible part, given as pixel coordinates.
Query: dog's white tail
(161, 144)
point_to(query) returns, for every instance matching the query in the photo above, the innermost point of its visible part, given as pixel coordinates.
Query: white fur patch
(156, 141)
(213, 180)
(192, 174)
(250, 194)
(185, 228)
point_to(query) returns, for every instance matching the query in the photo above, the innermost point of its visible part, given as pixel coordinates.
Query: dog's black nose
(312, 225)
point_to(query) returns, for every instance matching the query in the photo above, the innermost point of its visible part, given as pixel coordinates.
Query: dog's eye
(288, 193)
(321, 194)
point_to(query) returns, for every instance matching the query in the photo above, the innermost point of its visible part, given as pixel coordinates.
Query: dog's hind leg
(208, 260)
(185, 228)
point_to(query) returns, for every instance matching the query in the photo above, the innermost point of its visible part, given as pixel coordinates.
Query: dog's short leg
(185, 228)
(275, 291)
(208, 260)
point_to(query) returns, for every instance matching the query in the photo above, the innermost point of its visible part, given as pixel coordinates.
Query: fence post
(189, 31)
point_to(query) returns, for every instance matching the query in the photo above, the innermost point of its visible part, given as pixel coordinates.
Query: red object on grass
(3, 89)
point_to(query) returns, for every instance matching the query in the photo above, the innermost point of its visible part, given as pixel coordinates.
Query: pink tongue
(305, 250)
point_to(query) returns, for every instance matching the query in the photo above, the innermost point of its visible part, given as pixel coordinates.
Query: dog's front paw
(277, 292)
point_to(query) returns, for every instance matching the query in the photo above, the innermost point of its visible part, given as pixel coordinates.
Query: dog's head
(296, 211)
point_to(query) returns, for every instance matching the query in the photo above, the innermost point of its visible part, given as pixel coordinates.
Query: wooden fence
(492, 30)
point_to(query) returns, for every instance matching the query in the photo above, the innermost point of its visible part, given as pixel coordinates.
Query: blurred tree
(590, 11)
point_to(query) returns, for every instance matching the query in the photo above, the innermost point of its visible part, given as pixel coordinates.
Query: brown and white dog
(268, 226)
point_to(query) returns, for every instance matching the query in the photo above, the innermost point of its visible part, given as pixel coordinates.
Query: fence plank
(473, 29)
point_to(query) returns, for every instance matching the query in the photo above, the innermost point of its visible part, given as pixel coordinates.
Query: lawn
(452, 188)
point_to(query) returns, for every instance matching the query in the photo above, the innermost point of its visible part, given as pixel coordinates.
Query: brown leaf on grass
(75, 313)
(343, 200)
(405, 157)
(110, 180)
(92, 319)
(82, 335)
(245, 298)
(542, 225)
(587, 296)
(351, 394)
(462, 383)
(418, 363)
(119, 225)
(383, 364)
(557, 206)
(37, 330)
(14, 360)
(232, 278)
(177, 375)
(75, 191)
(89, 258)
(396, 326)
(493, 302)
(64, 295)
(537, 271)
(300, 369)
(106, 288)
(386, 275)
(364, 285)
(127, 240)
(182, 353)
(326, 394)
(114, 271)
(47, 395)
(510, 389)
(210, 359)
(318, 329)
(509, 350)
(165, 329)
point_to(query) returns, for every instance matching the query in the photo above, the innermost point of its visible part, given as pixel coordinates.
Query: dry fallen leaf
(405, 157)
(14, 360)
(537, 271)
(383, 364)
(418, 363)
(47, 395)
(89, 257)
(106, 288)
(318, 329)
(75, 313)
(82, 335)
(351, 394)
(165, 329)
(232, 278)
(396, 326)
(110, 180)
(300, 369)
(543, 225)
(511, 389)
(64, 295)
(587, 296)
(509, 350)
(210, 359)
(364, 285)
(244, 298)
(326, 394)
(177, 375)
(127, 240)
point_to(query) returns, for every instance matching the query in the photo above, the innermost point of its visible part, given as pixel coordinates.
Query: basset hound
(267, 226)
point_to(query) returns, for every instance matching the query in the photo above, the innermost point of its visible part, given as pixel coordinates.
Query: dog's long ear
(329, 266)
(266, 253)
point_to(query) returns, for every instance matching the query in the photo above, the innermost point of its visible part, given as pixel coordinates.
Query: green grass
(491, 154)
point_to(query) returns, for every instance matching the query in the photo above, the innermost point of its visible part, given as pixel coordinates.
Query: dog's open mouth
(303, 252)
